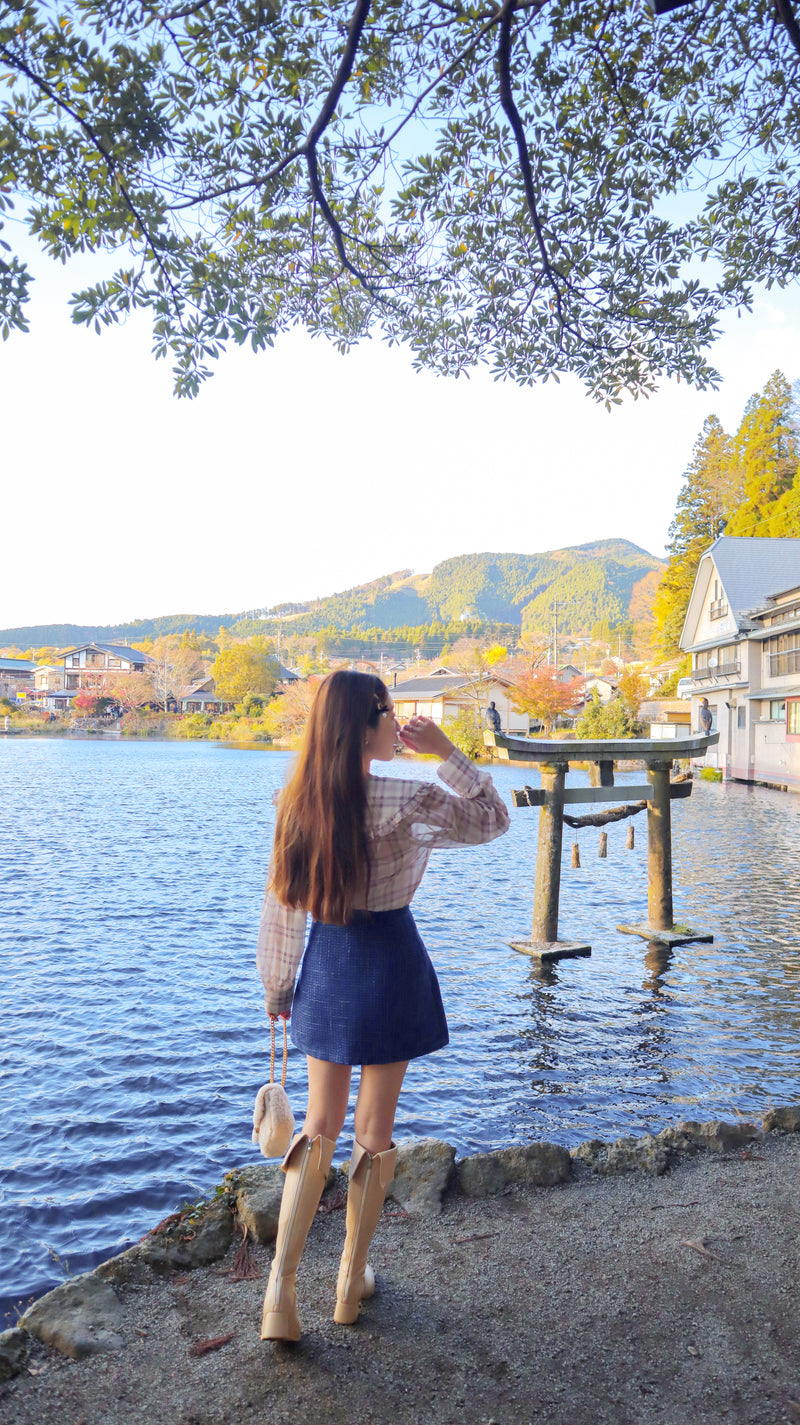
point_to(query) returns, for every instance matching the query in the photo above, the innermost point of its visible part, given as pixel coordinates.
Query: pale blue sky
(299, 472)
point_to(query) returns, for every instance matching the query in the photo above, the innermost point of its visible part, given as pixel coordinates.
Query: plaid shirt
(405, 821)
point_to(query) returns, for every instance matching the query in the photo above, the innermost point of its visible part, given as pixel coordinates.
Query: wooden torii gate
(553, 759)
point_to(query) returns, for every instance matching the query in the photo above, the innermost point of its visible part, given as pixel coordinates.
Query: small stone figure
(493, 718)
(706, 716)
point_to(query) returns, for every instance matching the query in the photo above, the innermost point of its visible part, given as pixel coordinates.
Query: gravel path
(627, 1300)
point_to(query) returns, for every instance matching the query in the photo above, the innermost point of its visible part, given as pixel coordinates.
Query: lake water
(133, 1033)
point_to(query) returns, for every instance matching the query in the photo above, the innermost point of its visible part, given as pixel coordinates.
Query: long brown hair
(320, 858)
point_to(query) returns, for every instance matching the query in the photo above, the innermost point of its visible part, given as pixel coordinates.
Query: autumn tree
(765, 459)
(543, 697)
(92, 701)
(175, 666)
(287, 715)
(133, 690)
(243, 669)
(487, 183)
(632, 690)
(705, 503)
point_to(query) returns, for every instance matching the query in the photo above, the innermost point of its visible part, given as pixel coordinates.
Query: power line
(779, 513)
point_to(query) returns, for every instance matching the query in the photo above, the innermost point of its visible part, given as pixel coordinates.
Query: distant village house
(16, 678)
(444, 694)
(86, 664)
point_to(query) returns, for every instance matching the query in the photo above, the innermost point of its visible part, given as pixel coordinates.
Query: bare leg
(376, 1105)
(328, 1092)
(372, 1169)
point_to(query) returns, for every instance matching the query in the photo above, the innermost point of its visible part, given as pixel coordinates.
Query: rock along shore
(650, 1279)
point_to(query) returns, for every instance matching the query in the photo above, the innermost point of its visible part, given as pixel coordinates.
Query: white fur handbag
(273, 1120)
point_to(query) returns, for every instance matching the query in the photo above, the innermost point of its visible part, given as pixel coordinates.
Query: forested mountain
(65, 635)
(608, 582)
(593, 583)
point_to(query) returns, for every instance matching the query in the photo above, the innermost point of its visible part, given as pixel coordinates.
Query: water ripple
(133, 1034)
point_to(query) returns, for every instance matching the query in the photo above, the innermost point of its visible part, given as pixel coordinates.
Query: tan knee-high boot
(370, 1176)
(306, 1166)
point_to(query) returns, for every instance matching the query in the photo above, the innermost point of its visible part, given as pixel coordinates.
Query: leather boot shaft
(370, 1176)
(306, 1166)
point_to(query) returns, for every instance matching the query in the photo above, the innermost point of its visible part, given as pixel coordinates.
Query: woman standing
(351, 849)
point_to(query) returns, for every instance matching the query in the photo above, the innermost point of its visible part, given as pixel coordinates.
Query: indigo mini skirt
(367, 992)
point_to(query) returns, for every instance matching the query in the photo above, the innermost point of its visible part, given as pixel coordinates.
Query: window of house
(777, 710)
(114, 663)
(75, 660)
(73, 680)
(717, 662)
(741, 718)
(784, 654)
(793, 717)
(718, 607)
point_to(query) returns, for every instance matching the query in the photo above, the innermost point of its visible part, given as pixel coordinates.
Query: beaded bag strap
(272, 1053)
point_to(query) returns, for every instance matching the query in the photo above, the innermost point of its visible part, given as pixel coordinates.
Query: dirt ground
(621, 1300)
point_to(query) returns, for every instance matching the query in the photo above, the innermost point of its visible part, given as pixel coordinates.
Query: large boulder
(13, 1352)
(424, 1169)
(535, 1164)
(193, 1239)
(80, 1318)
(785, 1120)
(689, 1136)
(258, 1200)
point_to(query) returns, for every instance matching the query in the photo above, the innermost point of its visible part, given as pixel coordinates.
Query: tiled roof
(16, 665)
(429, 687)
(117, 650)
(755, 570)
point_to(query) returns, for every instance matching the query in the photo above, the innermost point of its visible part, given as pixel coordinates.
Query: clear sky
(299, 472)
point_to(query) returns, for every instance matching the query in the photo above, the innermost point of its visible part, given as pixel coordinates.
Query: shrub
(606, 720)
(710, 774)
(466, 732)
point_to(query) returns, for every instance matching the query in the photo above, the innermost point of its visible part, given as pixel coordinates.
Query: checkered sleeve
(476, 814)
(281, 938)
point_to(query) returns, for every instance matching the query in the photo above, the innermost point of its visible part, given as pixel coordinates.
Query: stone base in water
(551, 949)
(677, 935)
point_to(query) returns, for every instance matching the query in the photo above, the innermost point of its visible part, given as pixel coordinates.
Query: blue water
(133, 1034)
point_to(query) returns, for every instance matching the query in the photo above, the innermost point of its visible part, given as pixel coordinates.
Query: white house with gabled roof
(88, 665)
(444, 694)
(742, 629)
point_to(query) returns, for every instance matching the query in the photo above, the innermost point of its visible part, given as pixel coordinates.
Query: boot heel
(346, 1312)
(276, 1326)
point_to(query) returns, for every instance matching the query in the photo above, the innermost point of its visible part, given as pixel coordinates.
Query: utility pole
(557, 603)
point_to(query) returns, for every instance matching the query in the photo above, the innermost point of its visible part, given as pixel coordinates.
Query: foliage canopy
(541, 695)
(485, 182)
(745, 485)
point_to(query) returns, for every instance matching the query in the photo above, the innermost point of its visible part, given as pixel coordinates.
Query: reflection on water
(134, 1038)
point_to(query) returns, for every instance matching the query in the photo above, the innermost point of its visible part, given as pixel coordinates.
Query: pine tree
(766, 454)
(704, 506)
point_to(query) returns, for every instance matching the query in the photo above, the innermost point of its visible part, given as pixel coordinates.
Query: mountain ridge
(602, 581)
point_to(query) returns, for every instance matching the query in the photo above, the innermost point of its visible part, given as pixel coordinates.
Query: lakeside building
(16, 677)
(742, 629)
(444, 694)
(87, 665)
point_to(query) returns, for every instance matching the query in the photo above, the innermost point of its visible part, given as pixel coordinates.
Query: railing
(722, 670)
(780, 663)
(718, 609)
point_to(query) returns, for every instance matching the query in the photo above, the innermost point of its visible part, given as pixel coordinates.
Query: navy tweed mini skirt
(367, 992)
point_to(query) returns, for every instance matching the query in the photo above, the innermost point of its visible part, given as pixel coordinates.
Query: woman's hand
(422, 734)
